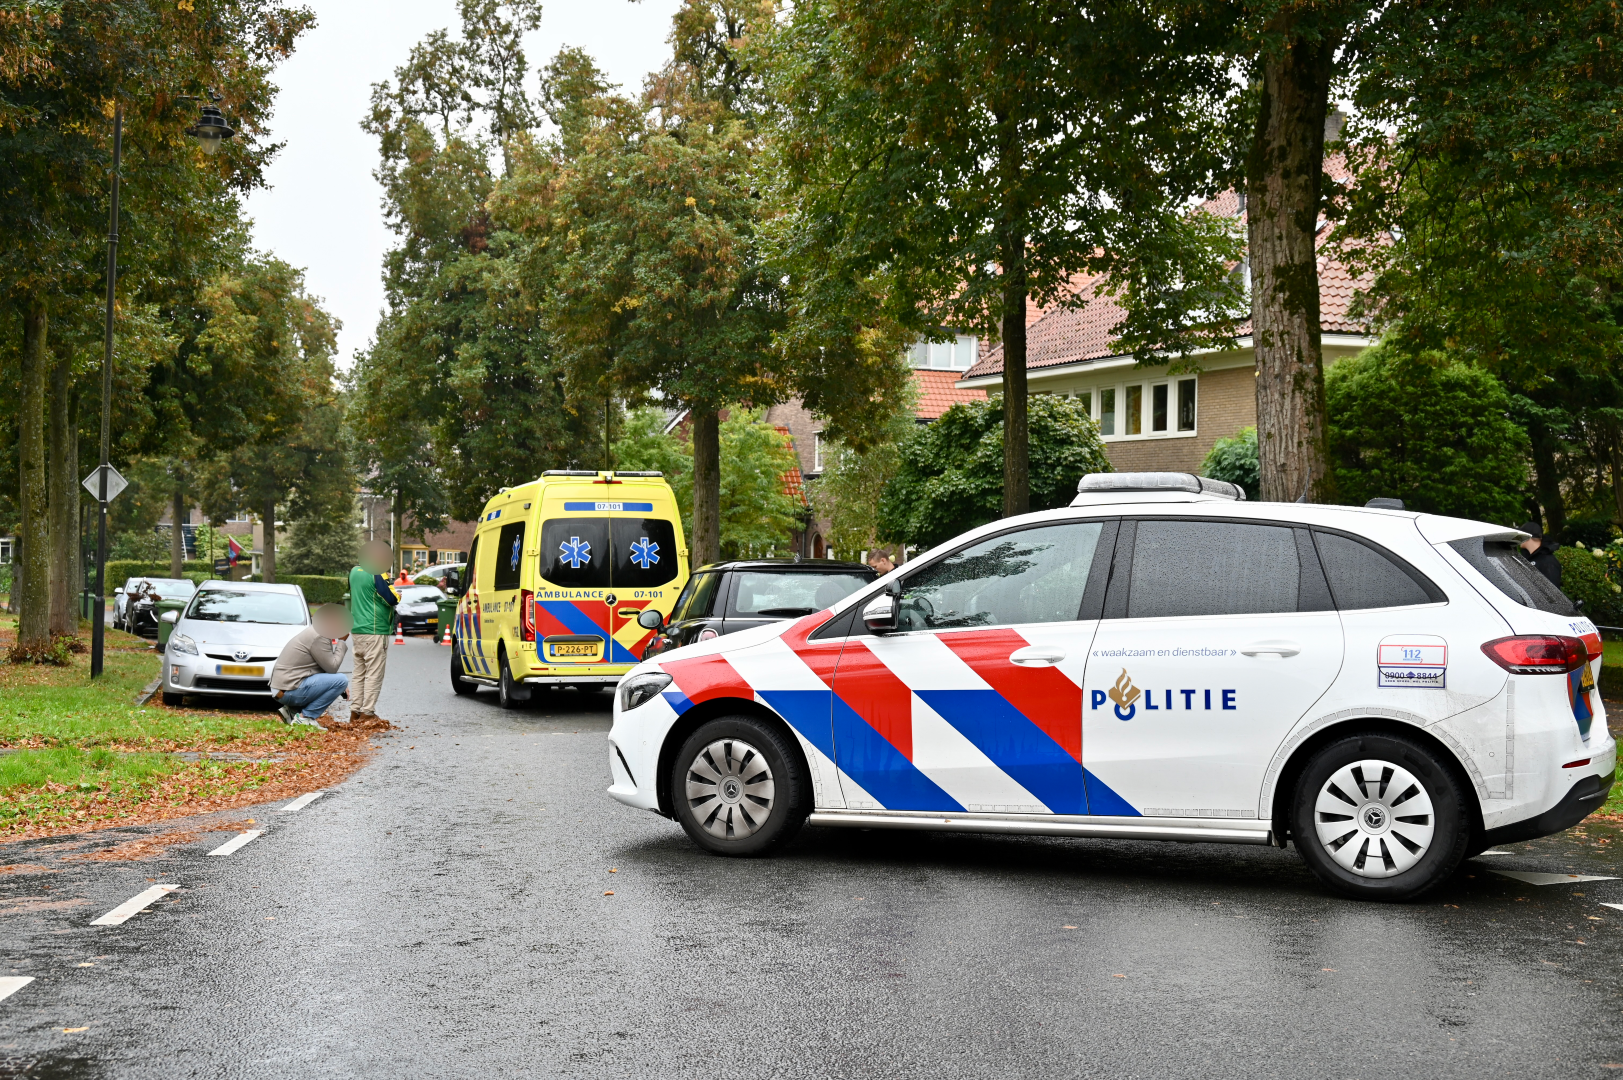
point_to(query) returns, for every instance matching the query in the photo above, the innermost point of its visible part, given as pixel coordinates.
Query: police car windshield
(228, 605)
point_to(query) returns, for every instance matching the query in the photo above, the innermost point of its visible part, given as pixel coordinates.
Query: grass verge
(77, 754)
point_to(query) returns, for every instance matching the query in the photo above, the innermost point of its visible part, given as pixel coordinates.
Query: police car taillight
(526, 614)
(1537, 654)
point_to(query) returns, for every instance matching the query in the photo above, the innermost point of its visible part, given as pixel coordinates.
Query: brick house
(1149, 419)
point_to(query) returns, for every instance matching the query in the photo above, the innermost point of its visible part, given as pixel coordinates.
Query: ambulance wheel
(1379, 817)
(509, 694)
(460, 685)
(739, 788)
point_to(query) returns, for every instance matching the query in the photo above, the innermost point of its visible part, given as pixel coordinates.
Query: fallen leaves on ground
(149, 847)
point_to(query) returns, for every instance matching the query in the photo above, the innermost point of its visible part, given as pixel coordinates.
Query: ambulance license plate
(249, 670)
(569, 648)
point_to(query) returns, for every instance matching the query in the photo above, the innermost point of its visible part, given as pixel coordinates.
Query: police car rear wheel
(738, 787)
(1380, 817)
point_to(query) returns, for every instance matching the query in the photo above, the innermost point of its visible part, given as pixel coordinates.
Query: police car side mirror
(880, 614)
(170, 616)
(650, 619)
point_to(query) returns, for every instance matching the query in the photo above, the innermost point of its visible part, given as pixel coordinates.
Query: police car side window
(1031, 576)
(1183, 568)
(509, 556)
(1362, 577)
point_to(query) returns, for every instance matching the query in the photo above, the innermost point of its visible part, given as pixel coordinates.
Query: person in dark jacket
(1541, 552)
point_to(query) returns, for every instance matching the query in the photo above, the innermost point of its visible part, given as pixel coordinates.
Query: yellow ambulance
(559, 571)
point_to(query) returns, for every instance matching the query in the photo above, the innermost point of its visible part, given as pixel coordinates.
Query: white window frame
(817, 451)
(1096, 391)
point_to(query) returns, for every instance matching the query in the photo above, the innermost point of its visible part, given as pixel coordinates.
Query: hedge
(318, 588)
(121, 570)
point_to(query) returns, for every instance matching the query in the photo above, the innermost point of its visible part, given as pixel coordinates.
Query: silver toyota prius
(227, 639)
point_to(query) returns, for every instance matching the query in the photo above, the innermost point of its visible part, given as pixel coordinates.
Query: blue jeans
(315, 693)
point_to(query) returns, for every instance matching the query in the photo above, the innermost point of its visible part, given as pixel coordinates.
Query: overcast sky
(321, 211)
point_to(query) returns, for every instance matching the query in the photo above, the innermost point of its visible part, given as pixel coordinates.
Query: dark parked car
(418, 610)
(723, 598)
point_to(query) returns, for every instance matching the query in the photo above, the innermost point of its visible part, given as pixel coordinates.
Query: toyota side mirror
(170, 616)
(880, 614)
(119, 591)
(649, 619)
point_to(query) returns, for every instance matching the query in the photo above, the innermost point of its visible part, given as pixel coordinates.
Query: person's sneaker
(287, 714)
(309, 721)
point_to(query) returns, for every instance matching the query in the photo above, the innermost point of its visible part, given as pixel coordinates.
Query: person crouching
(306, 679)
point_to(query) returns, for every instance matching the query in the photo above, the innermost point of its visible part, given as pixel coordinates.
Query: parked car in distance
(227, 639)
(439, 572)
(418, 611)
(726, 597)
(140, 618)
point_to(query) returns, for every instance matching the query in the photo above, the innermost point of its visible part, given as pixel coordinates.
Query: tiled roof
(1067, 335)
(794, 485)
(937, 393)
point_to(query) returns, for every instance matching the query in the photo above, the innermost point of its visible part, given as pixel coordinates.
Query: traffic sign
(115, 482)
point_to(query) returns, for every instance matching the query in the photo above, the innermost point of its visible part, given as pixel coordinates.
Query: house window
(7, 546)
(1133, 418)
(1084, 398)
(1158, 407)
(1107, 411)
(817, 452)
(1186, 404)
(1151, 410)
(959, 354)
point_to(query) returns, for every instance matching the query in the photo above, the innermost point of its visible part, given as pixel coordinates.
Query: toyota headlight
(182, 643)
(640, 689)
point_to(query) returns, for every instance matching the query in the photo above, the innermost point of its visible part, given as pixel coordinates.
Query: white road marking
(1618, 907)
(237, 841)
(10, 984)
(1482, 853)
(302, 801)
(1553, 879)
(133, 905)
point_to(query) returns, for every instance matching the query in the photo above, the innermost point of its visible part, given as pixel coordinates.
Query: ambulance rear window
(644, 553)
(575, 552)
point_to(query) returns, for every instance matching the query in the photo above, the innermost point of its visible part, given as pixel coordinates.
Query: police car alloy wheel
(738, 788)
(1379, 817)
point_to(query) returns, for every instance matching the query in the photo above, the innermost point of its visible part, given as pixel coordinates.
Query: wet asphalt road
(444, 913)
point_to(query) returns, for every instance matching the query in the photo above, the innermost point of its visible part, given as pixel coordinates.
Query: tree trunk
(267, 548)
(34, 588)
(706, 486)
(1547, 480)
(64, 497)
(1016, 434)
(1284, 181)
(177, 536)
(1617, 476)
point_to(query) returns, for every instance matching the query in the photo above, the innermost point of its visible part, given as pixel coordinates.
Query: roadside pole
(98, 620)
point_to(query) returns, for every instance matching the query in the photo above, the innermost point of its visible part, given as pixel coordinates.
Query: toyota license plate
(250, 670)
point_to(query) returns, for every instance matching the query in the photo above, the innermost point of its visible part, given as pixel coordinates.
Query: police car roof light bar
(1158, 481)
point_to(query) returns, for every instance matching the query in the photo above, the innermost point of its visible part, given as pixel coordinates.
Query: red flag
(233, 551)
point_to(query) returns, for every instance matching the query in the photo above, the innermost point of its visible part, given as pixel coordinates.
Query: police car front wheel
(738, 787)
(1380, 817)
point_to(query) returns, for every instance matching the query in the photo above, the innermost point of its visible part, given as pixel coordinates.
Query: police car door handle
(1279, 649)
(1036, 656)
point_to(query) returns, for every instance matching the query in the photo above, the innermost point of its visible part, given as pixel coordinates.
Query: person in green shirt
(372, 602)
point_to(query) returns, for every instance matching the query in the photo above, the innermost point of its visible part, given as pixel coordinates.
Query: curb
(146, 693)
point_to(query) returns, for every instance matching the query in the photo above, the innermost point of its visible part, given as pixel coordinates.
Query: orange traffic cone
(399, 635)
(445, 639)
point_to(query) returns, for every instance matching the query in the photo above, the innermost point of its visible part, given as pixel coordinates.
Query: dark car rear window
(775, 594)
(1512, 573)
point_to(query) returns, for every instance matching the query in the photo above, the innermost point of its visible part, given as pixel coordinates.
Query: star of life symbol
(645, 553)
(575, 551)
(513, 562)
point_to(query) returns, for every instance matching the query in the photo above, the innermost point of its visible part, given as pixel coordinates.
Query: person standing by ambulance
(372, 602)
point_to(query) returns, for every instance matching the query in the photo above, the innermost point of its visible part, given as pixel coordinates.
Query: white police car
(1160, 660)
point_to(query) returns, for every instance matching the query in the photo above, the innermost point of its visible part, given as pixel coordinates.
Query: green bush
(1431, 432)
(317, 588)
(951, 472)
(121, 570)
(1234, 459)
(1583, 578)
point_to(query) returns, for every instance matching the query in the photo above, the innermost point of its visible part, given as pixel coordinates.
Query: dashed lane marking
(1482, 853)
(1616, 907)
(237, 842)
(134, 904)
(302, 801)
(1553, 879)
(10, 984)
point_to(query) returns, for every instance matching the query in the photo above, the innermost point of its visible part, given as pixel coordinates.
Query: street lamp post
(209, 131)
